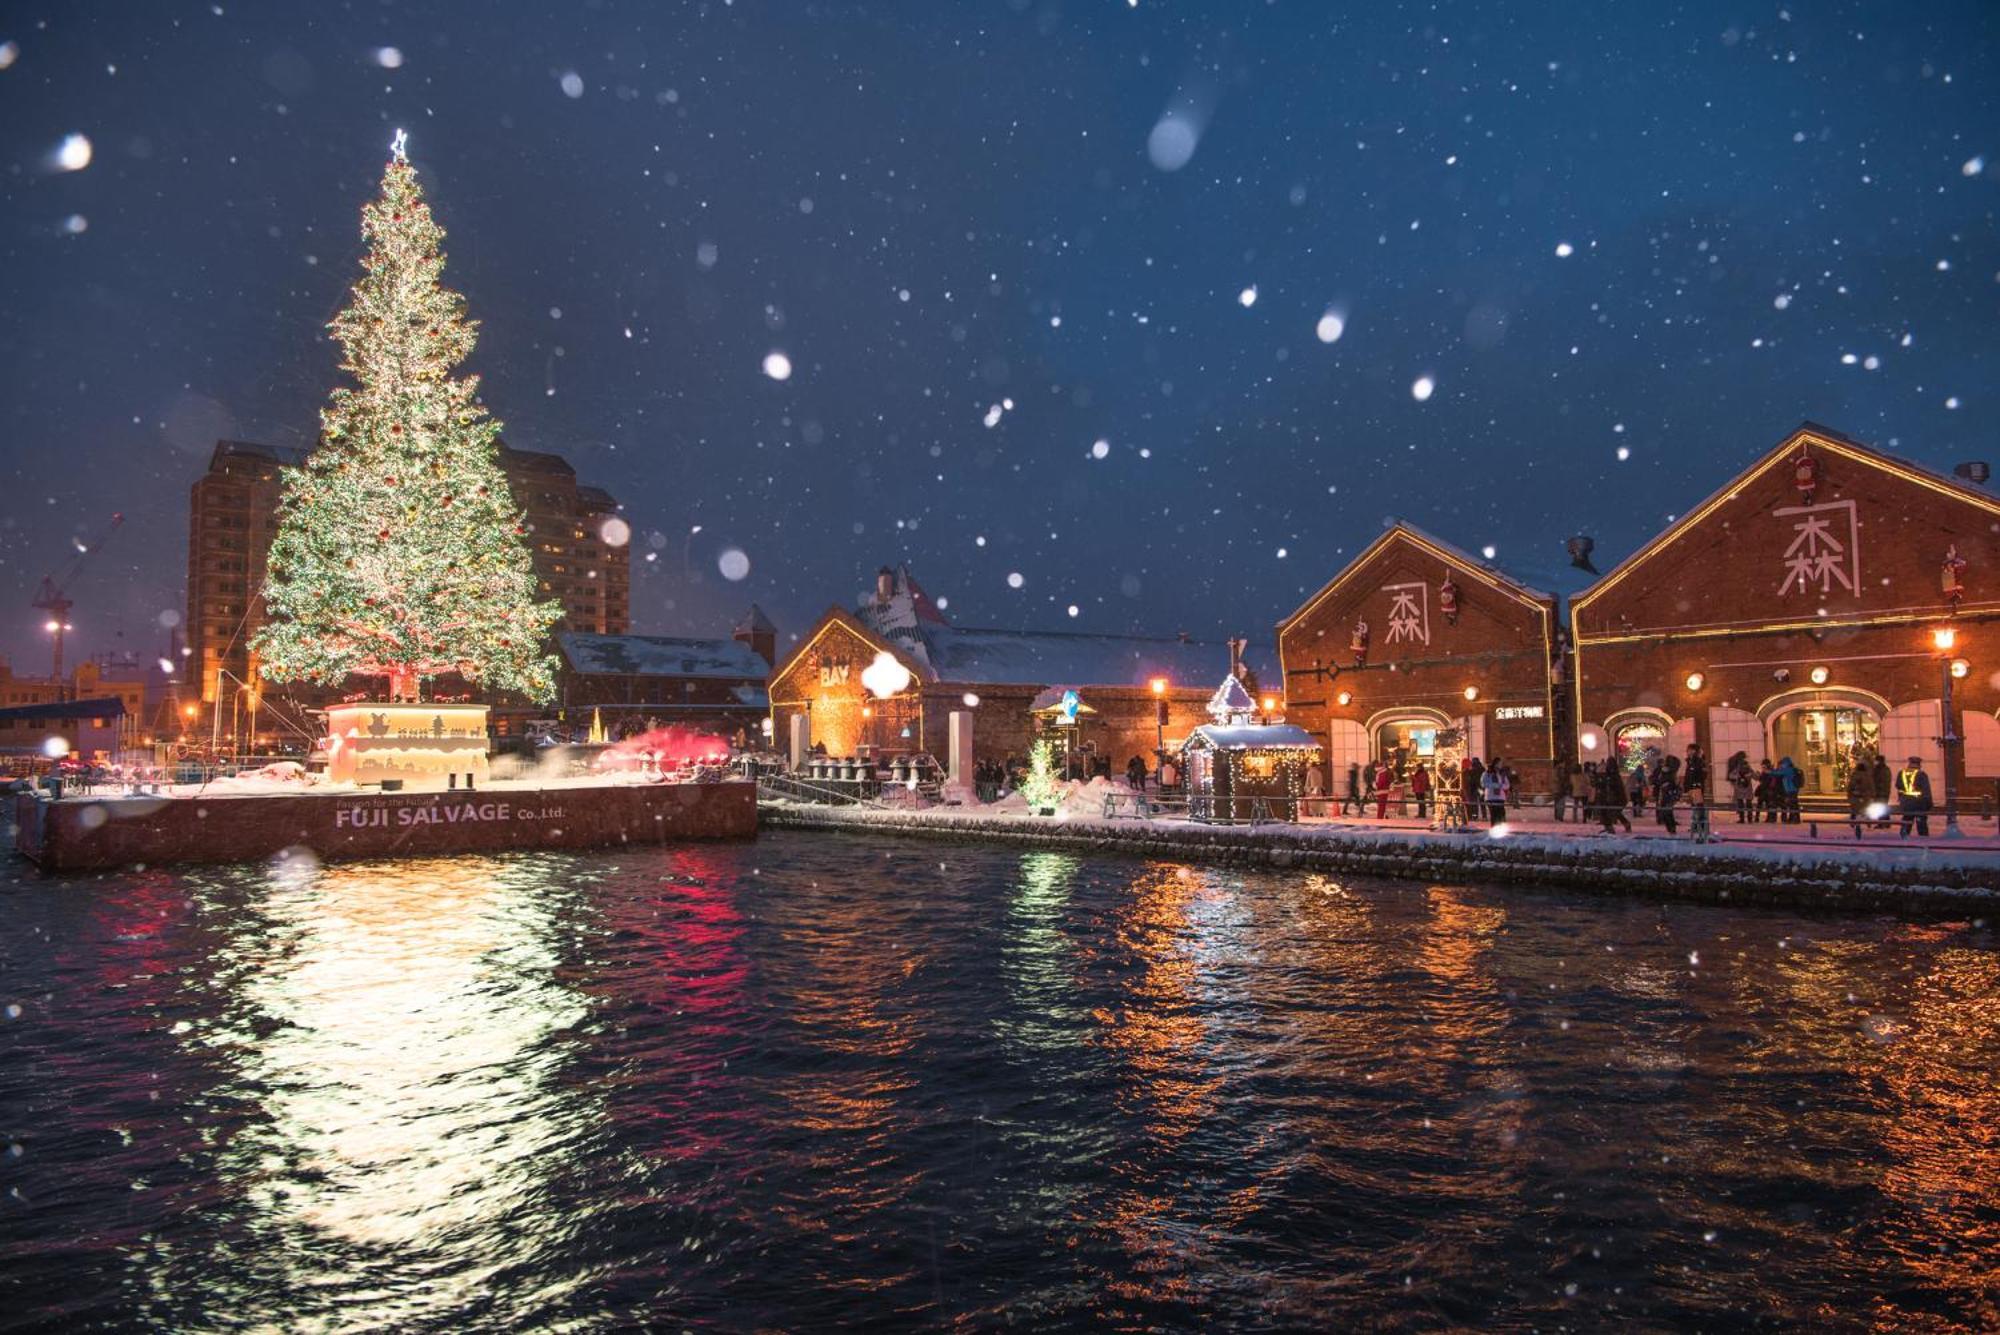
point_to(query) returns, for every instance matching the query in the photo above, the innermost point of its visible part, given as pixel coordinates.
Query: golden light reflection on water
(1155, 1024)
(1943, 1174)
(407, 1081)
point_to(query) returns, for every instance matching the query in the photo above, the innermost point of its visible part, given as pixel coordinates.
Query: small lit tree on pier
(399, 551)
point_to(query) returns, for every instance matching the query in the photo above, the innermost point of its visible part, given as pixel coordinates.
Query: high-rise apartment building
(566, 521)
(233, 517)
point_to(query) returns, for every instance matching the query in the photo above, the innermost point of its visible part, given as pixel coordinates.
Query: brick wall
(1420, 662)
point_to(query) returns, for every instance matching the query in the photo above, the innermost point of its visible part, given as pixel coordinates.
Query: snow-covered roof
(911, 622)
(1247, 736)
(1038, 658)
(1466, 559)
(660, 656)
(1230, 698)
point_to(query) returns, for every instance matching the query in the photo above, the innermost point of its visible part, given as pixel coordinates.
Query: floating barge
(102, 833)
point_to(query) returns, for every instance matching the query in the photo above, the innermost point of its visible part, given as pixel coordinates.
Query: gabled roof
(1820, 438)
(1230, 698)
(660, 656)
(1248, 736)
(975, 656)
(853, 625)
(979, 656)
(754, 622)
(1459, 559)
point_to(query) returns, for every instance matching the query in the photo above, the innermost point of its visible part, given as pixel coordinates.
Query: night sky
(1630, 246)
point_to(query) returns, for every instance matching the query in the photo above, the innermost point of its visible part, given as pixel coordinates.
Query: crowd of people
(1609, 793)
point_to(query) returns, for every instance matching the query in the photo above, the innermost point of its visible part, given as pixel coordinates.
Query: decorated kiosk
(1241, 770)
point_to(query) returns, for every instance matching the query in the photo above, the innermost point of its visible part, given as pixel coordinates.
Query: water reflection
(1039, 961)
(813, 1083)
(1943, 1140)
(395, 1036)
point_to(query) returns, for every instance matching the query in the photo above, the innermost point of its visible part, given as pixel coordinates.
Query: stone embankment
(1916, 882)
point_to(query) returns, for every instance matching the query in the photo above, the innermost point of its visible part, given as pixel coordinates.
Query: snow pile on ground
(1087, 799)
(1073, 798)
(282, 776)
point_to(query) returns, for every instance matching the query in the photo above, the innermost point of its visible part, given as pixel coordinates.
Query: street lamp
(1159, 685)
(1944, 639)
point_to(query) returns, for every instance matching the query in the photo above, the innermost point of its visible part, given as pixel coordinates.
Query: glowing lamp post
(1944, 639)
(1159, 685)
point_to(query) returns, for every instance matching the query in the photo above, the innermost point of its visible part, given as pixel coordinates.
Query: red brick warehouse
(1794, 613)
(1416, 636)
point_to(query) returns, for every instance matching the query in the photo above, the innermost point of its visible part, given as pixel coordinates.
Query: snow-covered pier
(1877, 876)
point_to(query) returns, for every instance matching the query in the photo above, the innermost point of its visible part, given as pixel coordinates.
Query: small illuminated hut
(1239, 769)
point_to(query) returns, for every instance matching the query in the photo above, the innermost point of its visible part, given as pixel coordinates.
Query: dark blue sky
(934, 207)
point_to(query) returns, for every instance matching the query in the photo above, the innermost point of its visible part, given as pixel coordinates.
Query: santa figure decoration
(1805, 475)
(1951, 577)
(1448, 599)
(1358, 642)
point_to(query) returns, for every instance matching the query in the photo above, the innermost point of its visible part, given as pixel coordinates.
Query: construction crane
(53, 597)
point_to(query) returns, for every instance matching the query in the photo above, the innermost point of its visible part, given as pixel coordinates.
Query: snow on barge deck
(187, 825)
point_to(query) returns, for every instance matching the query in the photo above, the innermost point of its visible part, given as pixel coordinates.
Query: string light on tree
(400, 549)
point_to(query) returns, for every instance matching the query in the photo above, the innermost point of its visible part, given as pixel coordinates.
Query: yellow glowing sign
(423, 746)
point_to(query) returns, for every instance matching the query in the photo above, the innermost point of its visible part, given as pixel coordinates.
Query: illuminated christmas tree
(1038, 785)
(399, 550)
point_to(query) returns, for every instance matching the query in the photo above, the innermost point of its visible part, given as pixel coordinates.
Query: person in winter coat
(1611, 808)
(1860, 794)
(1351, 795)
(1743, 787)
(1695, 773)
(1475, 778)
(1885, 784)
(1493, 792)
(1913, 798)
(1566, 794)
(1420, 788)
(1767, 792)
(1385, 782)
(1667, 795)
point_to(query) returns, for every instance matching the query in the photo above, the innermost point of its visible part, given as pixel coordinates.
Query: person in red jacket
(1420, 788)
(1385, 780)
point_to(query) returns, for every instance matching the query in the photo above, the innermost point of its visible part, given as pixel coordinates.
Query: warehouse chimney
(756, 630)
(1580, 549)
